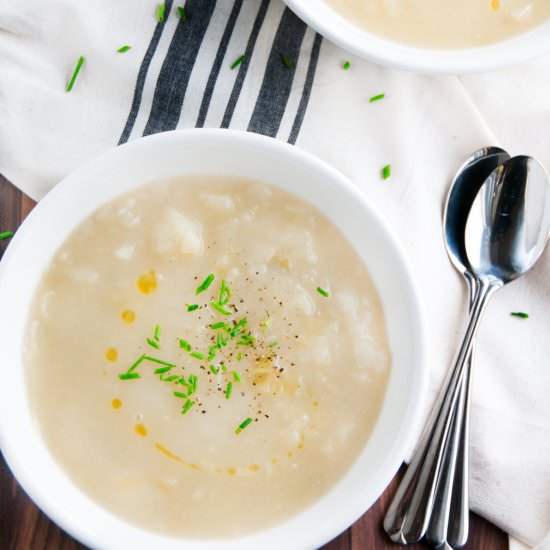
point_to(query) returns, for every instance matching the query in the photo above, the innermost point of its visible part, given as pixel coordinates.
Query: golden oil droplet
(128, 316)
(495, 4)
(289, 454)
(140, 429)
(315, 403)
(111, 355)
(231, 471)
(254, 468)
(274, 461)
(116, 403)
(147, 283)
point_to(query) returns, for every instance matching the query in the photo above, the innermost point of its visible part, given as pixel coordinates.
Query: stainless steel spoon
(449, 519)
(505, 234)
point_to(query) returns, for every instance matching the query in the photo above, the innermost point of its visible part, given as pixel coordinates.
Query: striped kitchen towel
(253, 65)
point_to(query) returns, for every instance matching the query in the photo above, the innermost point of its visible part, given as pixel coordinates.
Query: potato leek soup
(206, 356)
(445, 23)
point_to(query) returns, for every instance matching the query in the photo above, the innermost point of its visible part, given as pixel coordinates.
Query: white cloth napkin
(424, 128)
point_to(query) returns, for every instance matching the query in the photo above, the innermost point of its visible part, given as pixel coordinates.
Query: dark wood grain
(24, 527)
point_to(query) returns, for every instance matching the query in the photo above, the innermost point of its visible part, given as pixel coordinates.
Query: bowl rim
(403, 440)
(336, 28)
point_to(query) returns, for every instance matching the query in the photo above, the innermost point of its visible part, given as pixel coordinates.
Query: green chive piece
(180, 395)
(124, 49)
(239, 356)
(220, 309)
(520, 314)
(242, 323)
(287, 62)
(224, 368)
(377, 98)
(162, 370)
(205, 284)
(266, 323)
(225, 293)
(160, 11)
(6, 235)
(228, 390)
(129, 375)
(79, 64)
(159, 361)
(215, 326)
(157, 333)
(197, 355)
(243, 425)
(185, 345)
(135, 365)
(152, 343)
(192, 307)
(237, 62)
(211, 353)
(187, 406)
(386, 172)
(272, 344)
(236, 376)
(181, 11)
(215, 370)
(322, 291)
(192, 384)
(346, 65)
(169, 378)
(182, 381)
(220, 340)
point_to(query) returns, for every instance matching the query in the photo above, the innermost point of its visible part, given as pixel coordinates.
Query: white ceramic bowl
(341, 31)
(209, 152)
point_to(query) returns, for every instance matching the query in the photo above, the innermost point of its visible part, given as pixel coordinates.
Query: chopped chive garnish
(162, 370)
(225, 293)
(6, 235)
(79, 64)
(180, 395)
(192, 382)
(129, 375)
(169, 378)
(197, 355)
(322, 291)
(272, 344)
(239, 356)
(152, 343)
(211, 353)
(159, 361)
(236, 376)
(242, 323)
(220, 340)
(224, 368)
(237, 62)
(187, 406)
(346, 65)
(266, 322)
(220, 309)
(157, 333)
(286, 61)
(181, 11)
(215, 326)
(124, 49)
(185, 345)
(377, 98)
(228, 390)
(134, 366)
(386, 172)
(160, 11)
(183, 381)
(520, 314)
(205, 284)
(215, 370)
(192, 307)
(246, 340)
(243, 425)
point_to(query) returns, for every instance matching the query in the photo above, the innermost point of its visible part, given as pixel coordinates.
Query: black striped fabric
(279, 63)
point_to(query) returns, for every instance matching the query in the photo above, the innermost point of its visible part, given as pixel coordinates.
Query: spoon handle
(407, 518)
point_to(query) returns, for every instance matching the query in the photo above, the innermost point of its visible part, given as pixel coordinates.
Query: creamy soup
(206, 357)
(445, 23)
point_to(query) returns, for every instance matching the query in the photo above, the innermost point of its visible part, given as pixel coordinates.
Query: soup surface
(445, 23)
(206, 357)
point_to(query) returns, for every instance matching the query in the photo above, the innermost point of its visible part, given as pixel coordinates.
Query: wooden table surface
(24, 527)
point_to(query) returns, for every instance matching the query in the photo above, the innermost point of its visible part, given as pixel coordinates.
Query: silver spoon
(449, 519)
(506, 232)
